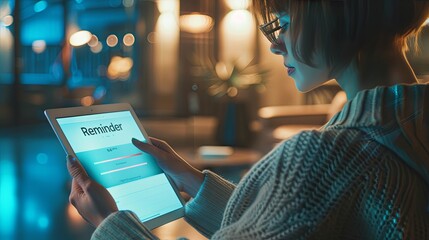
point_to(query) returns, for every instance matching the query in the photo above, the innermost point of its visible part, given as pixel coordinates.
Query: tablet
(100, 138)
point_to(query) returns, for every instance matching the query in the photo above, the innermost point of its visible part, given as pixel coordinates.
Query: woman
(365, 175)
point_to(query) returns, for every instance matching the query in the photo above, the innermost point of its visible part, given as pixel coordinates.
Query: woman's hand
(93, 202)
(187, 178)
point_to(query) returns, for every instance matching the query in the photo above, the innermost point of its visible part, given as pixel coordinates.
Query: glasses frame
(268, 30)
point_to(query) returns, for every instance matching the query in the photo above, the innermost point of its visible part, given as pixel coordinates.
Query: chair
(286, 121)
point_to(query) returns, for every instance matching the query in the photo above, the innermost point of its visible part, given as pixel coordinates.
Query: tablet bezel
(53, 114)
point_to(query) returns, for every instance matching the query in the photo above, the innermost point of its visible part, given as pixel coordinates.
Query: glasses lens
(270, 30)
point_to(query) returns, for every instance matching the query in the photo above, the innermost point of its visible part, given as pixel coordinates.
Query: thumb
(76, 170)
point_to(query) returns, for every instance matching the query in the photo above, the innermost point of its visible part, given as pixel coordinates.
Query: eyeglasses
(271, 30)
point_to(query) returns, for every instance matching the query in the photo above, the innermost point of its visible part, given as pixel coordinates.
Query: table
(241, 157)
(178, 229)
(231, 167)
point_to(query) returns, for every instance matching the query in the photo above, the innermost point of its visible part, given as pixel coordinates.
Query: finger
(161, 144)
(158, 142)
(146, 147)
(76, 171)
(76, 188)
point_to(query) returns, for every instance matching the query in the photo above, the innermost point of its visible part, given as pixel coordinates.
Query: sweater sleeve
(122, 225)
(294, 190)
(205, 211)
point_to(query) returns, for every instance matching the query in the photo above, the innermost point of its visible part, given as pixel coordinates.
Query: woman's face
(305, 77)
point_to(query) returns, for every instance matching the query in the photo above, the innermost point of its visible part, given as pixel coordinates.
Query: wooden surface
(287, 131)
(178, 229)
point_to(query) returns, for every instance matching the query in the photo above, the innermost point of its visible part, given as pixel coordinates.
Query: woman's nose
(278, 48)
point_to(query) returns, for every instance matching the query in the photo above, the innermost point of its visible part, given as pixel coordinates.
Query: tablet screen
(102, 143)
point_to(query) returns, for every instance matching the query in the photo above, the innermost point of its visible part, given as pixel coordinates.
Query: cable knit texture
(210, 203)
(363, 176)
(122, 225)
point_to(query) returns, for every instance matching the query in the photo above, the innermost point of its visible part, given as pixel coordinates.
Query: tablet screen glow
(102, 143)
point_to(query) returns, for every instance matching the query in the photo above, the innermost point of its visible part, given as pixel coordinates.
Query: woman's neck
(386, 69)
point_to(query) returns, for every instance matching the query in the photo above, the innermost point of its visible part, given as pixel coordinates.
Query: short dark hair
(346, 30)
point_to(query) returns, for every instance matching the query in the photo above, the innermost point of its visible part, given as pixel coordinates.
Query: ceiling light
(196, 23)
(128, 39)
(237, 4)
(7, 20)
(80, 38)
(112, 40)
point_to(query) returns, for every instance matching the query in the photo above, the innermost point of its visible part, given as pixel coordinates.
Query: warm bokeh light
(222, 70)
(151, 37)
(165, 25)
(232, 92)
(237, 4)
(166, 49)
(196, 23)
(239, 19)
(165, 6)
(80, 38)
(119, 68)
(87, 101)
(426, 22)
(112, 40)
(6, 39)
(128, 39)
(7, 20)
(97, 48)
(39, 46)
(234, 27)
(93, 41)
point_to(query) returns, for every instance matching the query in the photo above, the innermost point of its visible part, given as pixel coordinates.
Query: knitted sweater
(364, 175)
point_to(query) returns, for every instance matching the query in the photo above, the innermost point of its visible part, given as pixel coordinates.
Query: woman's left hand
(93, 202)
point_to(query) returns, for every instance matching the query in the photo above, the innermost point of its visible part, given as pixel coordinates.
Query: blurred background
(197, 73)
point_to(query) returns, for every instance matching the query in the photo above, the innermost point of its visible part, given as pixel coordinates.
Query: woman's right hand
(187, 178)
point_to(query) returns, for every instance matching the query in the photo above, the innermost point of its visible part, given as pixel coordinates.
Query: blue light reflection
(40, 6)
(8, 193)
(43, 222)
